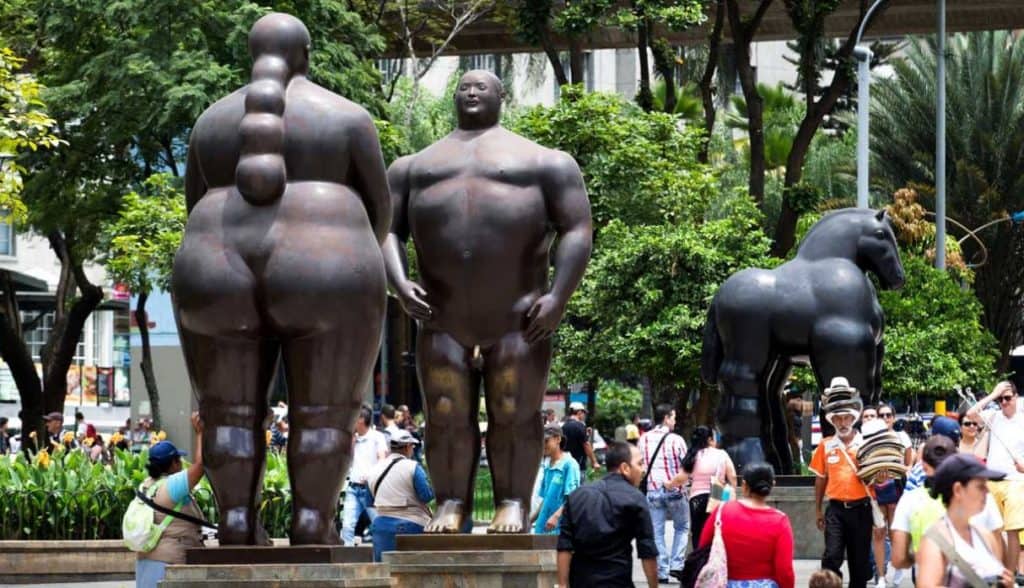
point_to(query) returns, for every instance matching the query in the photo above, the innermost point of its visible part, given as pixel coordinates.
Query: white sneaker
(897, 576)
(881, 582)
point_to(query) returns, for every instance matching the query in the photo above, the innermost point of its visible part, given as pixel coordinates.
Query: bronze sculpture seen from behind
(288, 204)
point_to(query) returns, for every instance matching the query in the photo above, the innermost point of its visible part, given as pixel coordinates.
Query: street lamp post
(863, 56)
(940, 140)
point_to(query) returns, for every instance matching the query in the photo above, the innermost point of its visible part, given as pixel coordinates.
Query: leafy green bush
(616, 405)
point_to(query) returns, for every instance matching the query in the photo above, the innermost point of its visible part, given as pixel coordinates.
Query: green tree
(25, 127)
(985, 153)
(141, 244)
(664, 240)
(616, 404)
(934, 337)
(640, 167)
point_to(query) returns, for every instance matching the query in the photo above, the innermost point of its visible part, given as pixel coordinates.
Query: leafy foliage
(146, 234)
(616, 405)
(24, 126)
(934, 337)
(985, 151)
(639, 167)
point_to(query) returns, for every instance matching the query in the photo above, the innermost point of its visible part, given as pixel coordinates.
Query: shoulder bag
(715, 573)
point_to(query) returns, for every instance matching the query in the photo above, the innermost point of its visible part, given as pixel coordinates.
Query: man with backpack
(400, 491)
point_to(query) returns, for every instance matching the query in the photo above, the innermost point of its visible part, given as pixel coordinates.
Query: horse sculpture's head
(877, 250)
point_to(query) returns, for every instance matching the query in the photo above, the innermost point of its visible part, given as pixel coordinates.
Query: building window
(390, 69)
(6, 235)
(36, 336)
(484, 61)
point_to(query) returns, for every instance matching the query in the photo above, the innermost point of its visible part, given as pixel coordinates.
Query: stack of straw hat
(882, 452)
(841, 398)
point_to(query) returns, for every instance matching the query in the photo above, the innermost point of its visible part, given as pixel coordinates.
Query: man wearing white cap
(848, 521)
(577, 436)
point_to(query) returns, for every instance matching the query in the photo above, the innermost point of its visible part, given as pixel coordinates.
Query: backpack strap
(147, 497)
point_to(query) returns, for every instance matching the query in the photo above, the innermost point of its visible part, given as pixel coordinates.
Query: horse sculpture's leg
(739, 412)
(843, 347)
(776, 434)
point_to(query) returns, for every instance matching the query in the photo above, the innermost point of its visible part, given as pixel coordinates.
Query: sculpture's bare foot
(448, 518)
(508, 518)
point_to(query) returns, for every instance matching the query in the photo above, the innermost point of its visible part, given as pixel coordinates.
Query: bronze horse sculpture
(818, 308)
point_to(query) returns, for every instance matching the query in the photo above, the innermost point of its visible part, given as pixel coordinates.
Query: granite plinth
(522, 568)
(324, 575)
(471, 542)
(278, 554)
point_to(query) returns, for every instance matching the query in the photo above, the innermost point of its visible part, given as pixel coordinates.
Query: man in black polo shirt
(577, 437)
(600, 522)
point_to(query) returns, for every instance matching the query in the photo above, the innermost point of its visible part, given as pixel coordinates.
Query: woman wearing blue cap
(170, 486)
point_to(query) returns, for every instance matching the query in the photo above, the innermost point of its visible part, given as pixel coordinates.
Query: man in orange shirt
(847, 522)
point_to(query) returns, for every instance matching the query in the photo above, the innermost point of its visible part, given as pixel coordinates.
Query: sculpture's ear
(880, 215)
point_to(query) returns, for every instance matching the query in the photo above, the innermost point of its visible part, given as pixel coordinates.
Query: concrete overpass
(903, 17)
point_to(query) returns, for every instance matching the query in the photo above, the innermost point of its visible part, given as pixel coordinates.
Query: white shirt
(1005, 432)
(988, 519)
(366, 453)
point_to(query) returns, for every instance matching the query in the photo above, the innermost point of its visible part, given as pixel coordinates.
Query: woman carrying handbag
(750, 544)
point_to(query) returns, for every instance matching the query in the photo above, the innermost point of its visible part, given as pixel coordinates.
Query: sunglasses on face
(885, 415)
(969, 424)
(1005, 399)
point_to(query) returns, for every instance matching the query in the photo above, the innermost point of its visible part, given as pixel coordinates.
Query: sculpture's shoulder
(306, 96)
(224, 112)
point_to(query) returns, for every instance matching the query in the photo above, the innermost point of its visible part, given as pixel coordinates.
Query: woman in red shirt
(758, 538)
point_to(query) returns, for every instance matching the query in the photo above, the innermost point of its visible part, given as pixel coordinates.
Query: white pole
(940, 141)
(863, 55)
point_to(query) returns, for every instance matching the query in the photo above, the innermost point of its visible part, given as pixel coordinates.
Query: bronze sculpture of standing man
(484, 207)
(288, 205)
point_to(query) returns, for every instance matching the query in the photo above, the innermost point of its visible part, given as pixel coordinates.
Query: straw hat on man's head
(841, 398)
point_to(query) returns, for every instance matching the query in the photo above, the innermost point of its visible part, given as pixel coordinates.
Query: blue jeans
(385, 529)
(357, 501)
(149, 573)
(669, 506)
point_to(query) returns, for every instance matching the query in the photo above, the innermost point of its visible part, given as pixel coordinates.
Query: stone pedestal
(278, 554)
(474, 561)
(352, 575)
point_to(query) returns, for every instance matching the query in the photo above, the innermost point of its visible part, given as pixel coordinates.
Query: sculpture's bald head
(281, 35)
(478, 99)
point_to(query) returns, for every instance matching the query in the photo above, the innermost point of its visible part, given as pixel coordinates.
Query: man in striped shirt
(663, 452)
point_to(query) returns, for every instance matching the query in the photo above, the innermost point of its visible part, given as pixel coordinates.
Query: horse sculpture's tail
(711, 352)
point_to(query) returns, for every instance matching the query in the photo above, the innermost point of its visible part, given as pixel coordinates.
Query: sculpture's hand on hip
(543, 317)
(413, 298)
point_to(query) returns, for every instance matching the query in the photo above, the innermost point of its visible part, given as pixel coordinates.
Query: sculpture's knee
(505, 410)
(445, 413)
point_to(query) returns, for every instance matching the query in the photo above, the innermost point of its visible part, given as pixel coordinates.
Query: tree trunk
(708, 79)
(68, 328)
(647, 398)
(785, 228)
(576, 61)
(664, 62)
(644, 96)
(148, 374)
(19, 361)
(743, 33)
(553, 58)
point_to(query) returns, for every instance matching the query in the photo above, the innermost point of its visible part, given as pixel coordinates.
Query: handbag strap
(376, 486)
(175, 512)
(955, 559)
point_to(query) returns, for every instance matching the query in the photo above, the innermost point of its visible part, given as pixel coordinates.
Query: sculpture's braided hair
(279, 45)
